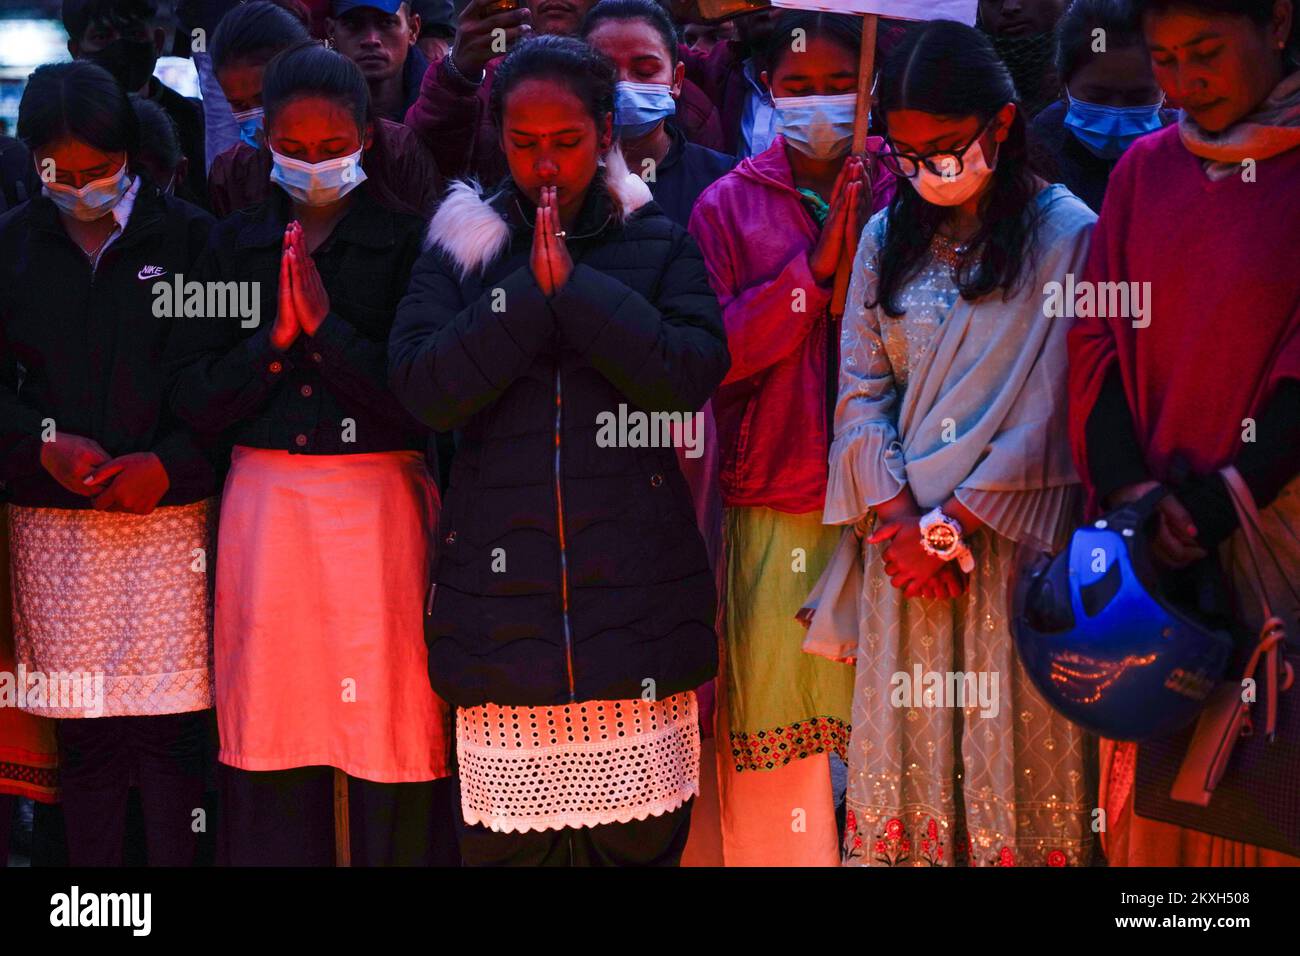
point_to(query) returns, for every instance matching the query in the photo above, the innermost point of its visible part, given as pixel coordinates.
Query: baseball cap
(437, 17)
(340, 7)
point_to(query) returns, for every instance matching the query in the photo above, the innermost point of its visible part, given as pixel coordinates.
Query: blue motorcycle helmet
(1103, 640)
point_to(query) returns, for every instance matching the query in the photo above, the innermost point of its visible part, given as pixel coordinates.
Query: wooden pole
(866, 67)
(342, 822)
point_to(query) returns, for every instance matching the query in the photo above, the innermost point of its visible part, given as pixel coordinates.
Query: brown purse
(1220, 775)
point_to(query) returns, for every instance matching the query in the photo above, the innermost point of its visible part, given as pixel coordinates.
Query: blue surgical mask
(1106, 131)
(317, 184)
(640, 107)
(250, 124)
(818, 126)
(93, 200)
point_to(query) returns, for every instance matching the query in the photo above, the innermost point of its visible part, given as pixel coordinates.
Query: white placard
(960, 10)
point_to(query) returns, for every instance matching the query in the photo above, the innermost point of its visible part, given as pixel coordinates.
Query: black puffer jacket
(566, 571)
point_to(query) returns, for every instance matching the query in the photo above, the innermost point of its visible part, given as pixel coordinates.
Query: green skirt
(783, 704)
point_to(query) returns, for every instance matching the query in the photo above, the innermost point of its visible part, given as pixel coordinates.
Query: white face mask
(93, 200)
(947, 189)
(818, 126)
(317, 184)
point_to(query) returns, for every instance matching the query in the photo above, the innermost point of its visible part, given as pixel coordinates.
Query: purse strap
(1278, 673)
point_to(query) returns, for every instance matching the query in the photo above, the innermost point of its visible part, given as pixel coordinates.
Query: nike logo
(151, 272)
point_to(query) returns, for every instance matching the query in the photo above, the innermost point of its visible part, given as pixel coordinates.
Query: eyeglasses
(942, 163)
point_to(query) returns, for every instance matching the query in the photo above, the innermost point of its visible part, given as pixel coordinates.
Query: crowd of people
(305, 391)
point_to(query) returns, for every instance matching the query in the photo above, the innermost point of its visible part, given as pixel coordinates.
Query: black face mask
(130, 61)
(1032, 62)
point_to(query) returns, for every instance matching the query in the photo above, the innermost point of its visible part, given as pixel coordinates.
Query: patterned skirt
(577, 765)
(783, 704)
(111, 611)
(29, 753)
(955, 757)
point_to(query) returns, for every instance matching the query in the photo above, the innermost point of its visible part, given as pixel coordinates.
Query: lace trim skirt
(112, 611)
(577, 765)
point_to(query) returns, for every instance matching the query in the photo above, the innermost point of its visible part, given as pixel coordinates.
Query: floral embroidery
(893, 848)
(931, 845)
(852, 839)
(896, 836)
(769, 749)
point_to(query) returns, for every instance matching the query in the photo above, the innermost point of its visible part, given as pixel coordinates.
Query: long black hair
(1118, 21)
(588, 73)
(81, 101)
(253, 33)
(646, 10)
(949, 69)
(313, 70)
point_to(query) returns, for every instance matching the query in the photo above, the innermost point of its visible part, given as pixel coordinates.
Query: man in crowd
(1024, 34)
(379, 36)
(120, 36)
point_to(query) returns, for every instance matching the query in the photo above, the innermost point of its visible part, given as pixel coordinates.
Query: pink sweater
(1223, 263)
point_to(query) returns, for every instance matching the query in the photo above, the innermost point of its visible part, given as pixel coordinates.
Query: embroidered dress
(115, 597)
(957, 398)
(577, 765)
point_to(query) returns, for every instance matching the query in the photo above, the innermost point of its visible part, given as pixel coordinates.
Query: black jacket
(538, 516)
(328, 393)
(187, 114)
(86, 351)
(19, 181)
(686, 171)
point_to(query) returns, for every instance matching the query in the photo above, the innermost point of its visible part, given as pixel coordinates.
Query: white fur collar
(472, 233)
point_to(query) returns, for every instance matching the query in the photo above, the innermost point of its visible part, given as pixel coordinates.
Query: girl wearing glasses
(949, 451)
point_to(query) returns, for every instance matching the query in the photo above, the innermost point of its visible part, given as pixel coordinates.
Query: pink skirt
(322, 566)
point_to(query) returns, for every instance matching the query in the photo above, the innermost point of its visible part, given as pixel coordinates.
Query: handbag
(1221, 775)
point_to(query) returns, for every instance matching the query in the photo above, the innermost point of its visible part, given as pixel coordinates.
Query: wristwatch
(941, 538)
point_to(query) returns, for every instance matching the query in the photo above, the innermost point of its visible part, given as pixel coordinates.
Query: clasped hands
(132, 483)
(910, 567)
(550, 261)
(303, 301)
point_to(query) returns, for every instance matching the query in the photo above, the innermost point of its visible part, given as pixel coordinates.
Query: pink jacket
(774, 407)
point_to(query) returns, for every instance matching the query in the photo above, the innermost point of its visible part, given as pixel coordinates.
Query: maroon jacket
(398, 168)
(455, 120)
(720, 73)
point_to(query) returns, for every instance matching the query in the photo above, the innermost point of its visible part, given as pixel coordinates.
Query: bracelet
(456, 74)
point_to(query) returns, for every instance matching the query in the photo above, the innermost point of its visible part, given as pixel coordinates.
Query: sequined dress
(953, 758)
